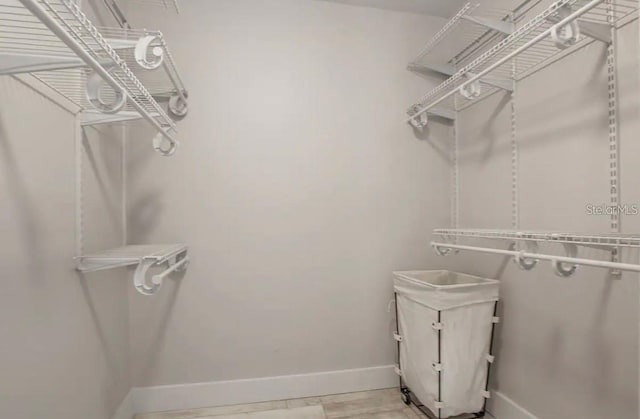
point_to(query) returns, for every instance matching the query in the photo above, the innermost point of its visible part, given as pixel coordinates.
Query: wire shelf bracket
(89, 118)
(443, 113)
(503, 83)
(493, 24)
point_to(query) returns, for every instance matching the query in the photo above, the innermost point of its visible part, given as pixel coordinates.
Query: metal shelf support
(448, 70)
(493, 24)
(443, 113)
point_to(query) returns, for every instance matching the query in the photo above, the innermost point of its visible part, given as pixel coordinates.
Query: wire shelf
(128, 256)
(532, 44)
(473, 28)
(57, 44)
(144, 257)
(584, 239)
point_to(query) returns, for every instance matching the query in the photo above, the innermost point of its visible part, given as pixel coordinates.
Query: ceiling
(442, 8)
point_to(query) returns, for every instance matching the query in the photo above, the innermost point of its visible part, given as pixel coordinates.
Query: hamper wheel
(406, 397)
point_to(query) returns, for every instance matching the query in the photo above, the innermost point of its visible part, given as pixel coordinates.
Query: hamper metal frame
(409, 397)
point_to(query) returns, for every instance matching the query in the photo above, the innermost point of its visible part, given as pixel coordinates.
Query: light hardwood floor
(379, 404)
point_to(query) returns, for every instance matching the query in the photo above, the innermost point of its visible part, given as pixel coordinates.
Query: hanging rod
(87, 43)
(439, 247)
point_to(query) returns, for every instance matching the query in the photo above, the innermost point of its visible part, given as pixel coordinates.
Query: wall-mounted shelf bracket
(494, 24)
(422, 120)
(443, 113)
(442, 69)
(96, 118)
(499, 82)
(503, 83)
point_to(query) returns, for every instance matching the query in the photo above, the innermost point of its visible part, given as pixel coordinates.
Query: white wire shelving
(54, 41)
(157, 70)
(524, 247)
(144, 257)
(128, 255)
(566, 24)
(111, 75)
(472, 30)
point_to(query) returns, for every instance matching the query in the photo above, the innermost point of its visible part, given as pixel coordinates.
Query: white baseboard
(502, 407)
(126, 409)
(220, 393)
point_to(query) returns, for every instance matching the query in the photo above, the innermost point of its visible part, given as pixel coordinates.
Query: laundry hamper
(445, 331)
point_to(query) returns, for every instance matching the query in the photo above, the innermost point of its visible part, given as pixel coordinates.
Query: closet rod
(573, 16)
(38, 11)
(552, 258)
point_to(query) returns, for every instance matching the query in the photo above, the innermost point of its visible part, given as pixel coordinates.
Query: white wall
(64, 336)
(298, 187)
(567, 348)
